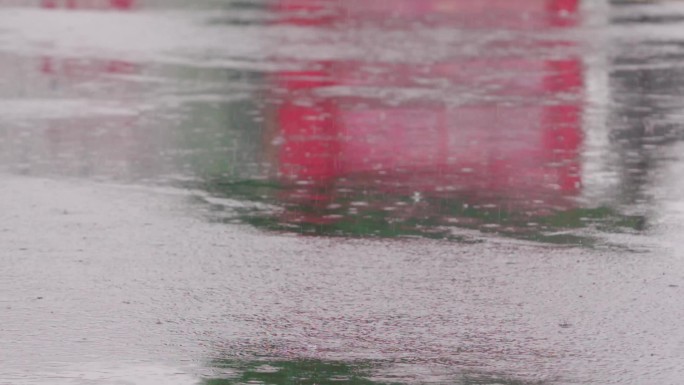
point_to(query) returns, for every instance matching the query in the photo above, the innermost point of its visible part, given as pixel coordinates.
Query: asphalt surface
(314, 192)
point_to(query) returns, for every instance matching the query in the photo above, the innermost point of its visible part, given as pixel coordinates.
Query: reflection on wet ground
(312, 372)
(474, 122)
(439, 119)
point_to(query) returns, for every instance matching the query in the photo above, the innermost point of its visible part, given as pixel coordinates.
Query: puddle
(438, 119)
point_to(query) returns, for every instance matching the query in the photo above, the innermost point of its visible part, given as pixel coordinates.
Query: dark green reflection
(361, 211)
(301, 372)
(318, 372)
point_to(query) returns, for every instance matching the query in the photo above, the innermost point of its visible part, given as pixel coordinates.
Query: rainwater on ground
(341, 192)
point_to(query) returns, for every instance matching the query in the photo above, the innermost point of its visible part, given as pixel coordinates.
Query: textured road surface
(164, 221)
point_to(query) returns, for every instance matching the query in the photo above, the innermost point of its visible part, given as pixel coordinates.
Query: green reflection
(360, 211)
(301, 372)
(318, 372)
(207, 150)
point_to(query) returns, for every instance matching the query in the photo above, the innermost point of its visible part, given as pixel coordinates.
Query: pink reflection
(89, 4)
(516, 14)
(104, 139)
(76, 69)
(508, 145)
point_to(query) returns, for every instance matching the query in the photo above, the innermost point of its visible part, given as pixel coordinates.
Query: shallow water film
(314, 192)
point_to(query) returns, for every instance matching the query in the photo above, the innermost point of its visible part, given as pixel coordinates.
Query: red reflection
(507, 144)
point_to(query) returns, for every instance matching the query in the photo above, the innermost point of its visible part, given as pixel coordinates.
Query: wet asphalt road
(318, 192)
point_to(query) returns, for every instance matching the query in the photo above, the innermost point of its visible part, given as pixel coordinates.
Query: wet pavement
(326, 192)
